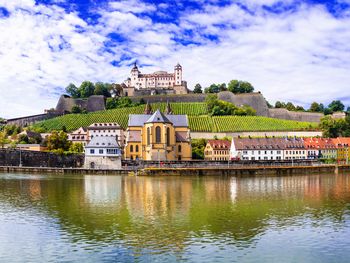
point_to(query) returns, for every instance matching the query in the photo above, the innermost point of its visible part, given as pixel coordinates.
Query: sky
(289, 50)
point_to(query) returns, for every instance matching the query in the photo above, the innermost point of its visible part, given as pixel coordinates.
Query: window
(179, 148)
(131, 148)
(148, 136)
(92, 151)
(158, 134)
(100, 151)
(168, 136)
(112, 151)
(136, 148)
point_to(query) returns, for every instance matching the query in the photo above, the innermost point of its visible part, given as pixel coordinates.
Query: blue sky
(289, 50)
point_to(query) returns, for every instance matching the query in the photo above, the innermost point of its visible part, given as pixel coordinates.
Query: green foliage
(197, 88)
(237, 86)
(76, 147)
(73, 91)
(119, 102)
(335, 127)
(215, 88)
(103, 89)
(3, 139)
(198, 146)
(220, 108)
(316, 107)
(336, 105)
(12, 130)
(58, 141)
(86, 89)
(76, 109)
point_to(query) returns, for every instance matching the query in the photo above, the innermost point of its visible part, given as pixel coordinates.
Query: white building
(294, 149)
(256, 149)
(103, 153)
(157, 80)
(106, 130)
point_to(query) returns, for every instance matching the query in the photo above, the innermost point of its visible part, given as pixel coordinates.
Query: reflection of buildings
(152, 197)
(102, 189)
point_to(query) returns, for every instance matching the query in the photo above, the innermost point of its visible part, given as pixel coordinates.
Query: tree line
(88, 88)
(334, 106)
(235, 86)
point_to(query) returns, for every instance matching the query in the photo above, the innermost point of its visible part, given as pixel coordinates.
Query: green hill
(197, 114)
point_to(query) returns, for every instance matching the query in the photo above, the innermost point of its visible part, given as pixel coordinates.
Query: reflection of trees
(165, 213)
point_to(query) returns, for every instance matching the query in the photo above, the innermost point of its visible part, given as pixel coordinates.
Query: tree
(103, 89)
(86, 89)
(336, 105)
(335, 127)
(198, 146)
(116, 90)
(197, 88)
(76, 109)
(58, 141)
(73, 91)
(315, 107)
(3, 139)
(213, 88)
(290, 106)
(279, 104)
(77, 147)
(237, 86)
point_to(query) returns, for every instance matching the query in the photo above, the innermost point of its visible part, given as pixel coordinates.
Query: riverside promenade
(239, 171)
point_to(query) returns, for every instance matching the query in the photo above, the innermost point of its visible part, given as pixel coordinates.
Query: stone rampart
(295, 115)
(254, 100)
(91, 104)
(9, 157)
(29, 120)
(171, 98)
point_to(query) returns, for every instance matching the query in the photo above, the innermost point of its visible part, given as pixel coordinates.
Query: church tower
(178, 74)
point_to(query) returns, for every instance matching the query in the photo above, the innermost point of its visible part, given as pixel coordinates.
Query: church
(158, 136)
(159, 82)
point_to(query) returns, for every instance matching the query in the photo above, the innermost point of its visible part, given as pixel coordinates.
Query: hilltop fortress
(159, 82)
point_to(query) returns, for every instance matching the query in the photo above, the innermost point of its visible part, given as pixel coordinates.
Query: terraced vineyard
(197, 115)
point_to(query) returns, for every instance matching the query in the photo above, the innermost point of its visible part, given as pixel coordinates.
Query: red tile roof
(219, 144)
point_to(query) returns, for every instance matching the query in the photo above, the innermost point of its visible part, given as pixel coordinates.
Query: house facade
(79, 136)
(110, 129)
(103, 153)
(157, 136)
(256, 149)
(217, 150)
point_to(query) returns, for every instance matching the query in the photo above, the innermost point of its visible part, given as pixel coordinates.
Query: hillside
(198, 119)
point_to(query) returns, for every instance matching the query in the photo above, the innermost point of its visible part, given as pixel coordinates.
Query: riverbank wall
(15, 157)
(242, 171)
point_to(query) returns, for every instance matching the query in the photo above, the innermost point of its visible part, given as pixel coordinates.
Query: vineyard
(245, 123)
(197, 115)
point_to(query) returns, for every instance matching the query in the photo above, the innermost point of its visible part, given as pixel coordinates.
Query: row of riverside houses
(152, 136)
(278, 149)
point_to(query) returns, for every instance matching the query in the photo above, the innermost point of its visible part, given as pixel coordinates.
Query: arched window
(179, 148)
(158, 135)
(137, 148)
(168, 136)
(131, 148)
(148, 136)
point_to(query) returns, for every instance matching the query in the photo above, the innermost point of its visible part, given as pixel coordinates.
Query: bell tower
(134, 76)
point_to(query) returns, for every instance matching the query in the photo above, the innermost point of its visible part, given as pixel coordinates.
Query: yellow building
(217, 150)
(158, 137)
(343, 151)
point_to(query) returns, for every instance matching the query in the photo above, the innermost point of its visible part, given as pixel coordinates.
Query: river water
(46, 218)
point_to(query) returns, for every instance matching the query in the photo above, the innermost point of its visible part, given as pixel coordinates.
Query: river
(57, 218)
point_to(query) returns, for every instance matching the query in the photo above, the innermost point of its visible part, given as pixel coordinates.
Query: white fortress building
(159, 82)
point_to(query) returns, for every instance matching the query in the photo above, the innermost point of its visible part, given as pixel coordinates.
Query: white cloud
(300, 55)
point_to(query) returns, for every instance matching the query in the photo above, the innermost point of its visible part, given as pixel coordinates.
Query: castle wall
(91, 104)
(295, 115)
(29, 120)
(254, 100)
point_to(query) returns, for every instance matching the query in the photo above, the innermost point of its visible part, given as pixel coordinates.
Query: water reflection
(162, 215)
